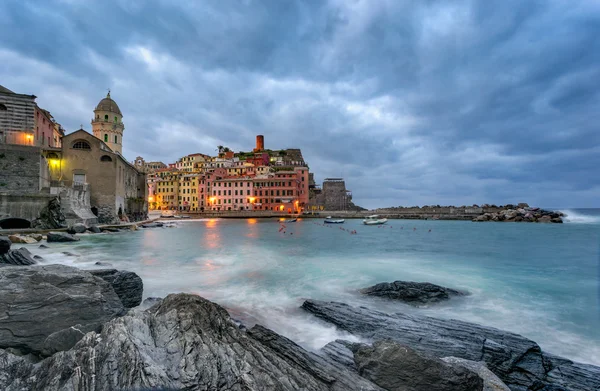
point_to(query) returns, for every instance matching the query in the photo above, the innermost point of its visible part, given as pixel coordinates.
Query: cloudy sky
(412, 102)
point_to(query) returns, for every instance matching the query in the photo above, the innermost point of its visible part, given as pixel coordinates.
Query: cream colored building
(107, 124)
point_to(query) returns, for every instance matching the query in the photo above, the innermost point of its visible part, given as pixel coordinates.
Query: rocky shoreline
(69, 329)
(524, 214)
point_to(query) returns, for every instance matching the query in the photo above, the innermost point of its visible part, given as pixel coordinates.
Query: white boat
(374, 220)
(292, 220)
(330, 220)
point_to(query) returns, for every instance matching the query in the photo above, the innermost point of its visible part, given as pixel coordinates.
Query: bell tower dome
(107, 124)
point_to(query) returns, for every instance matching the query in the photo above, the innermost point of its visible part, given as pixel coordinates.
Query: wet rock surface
(414, 293)
(516, 360)
(5, 244)
(37, 301)
(19, 257)
(397, 367)
(127, 285)
(183, 342)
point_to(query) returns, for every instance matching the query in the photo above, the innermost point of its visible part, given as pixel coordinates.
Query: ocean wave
(572, 216)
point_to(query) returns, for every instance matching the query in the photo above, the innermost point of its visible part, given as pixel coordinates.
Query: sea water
(538, 280)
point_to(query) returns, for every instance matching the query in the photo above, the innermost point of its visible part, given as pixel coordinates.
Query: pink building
(44, 129)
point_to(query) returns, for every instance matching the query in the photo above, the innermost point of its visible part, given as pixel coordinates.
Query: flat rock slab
(37, 301)
(516, 360)
(414, 293)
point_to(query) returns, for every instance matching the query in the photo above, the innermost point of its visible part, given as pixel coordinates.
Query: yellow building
(167, 192)
(188, 192)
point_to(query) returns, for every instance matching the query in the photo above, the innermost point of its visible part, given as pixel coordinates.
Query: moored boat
(374, 220)
(292, 220)
(330, 220)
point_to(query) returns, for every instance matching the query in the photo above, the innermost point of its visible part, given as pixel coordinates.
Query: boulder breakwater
(70, 329)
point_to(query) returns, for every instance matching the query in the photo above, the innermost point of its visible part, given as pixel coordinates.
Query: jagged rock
(397, 367)
(37, 237)
(150, 301)
(184, 342)
(38, 258)
(94, 229)
(20, 257)
(61, 237)
(78, 228)
(43, 246)
(38, 301)
(127, 285)
(21, 239)
(5, 244)
(516, 360)
(100, 263)
(51, 216)
(491, 382)
(110, 229)
(414, 293)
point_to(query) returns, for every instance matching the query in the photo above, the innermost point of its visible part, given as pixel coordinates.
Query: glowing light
(251, 199)
(281, 207)
(212, 199)
(54, 162)
(150, 199)
(29, 137)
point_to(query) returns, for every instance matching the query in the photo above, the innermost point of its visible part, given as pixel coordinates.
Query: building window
(116, 119)
(81, 145)
(2, 107)
(79, 179)
(106, 117)
(105, 138)
(106, 158)
(116, 140)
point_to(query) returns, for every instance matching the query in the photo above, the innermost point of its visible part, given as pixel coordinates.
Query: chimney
(260, 143)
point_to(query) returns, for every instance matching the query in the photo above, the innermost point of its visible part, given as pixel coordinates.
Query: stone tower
(107, 124)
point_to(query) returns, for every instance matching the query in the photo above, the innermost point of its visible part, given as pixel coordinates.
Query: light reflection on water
(537, 280)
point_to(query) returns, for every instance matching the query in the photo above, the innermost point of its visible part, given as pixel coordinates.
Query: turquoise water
(539, 280)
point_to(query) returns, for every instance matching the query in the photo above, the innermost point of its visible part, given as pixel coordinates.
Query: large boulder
(414, 293)
(127, 285)
(5, 244)
(51, 216)
(182, 343)
(94, 229)
(397, 367)
(39, 301)
(516, 360)
(78, 228)
(61, 237)
(20, 257)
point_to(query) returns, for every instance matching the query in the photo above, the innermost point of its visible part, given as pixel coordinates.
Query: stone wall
(23, 170)
(24, 206)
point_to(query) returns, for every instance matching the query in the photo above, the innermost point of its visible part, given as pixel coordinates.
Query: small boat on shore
(292, 220)
(374, 220)
(331, 220)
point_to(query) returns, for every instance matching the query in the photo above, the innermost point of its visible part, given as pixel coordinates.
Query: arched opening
(105, 137)
(106, 158)
(52, 155)
(80, 144)
(116, 139)
(95, 211)
(106, 117)
(3, 107)
(14, 223)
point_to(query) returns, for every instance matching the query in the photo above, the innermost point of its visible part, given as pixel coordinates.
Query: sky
(449, 102)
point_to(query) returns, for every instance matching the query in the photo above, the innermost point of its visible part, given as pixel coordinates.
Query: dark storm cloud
(412, 102)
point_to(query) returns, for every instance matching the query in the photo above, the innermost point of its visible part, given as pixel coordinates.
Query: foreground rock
(491, 382)
(127, 285)
(414, 293)
(20, 257)
(37, 302)
(183, 342)
(157, 224)
(94, 229)
(517, 361)
(61, 237)
(397, 367)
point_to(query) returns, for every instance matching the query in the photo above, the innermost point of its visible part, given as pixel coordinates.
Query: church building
(118, 191)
